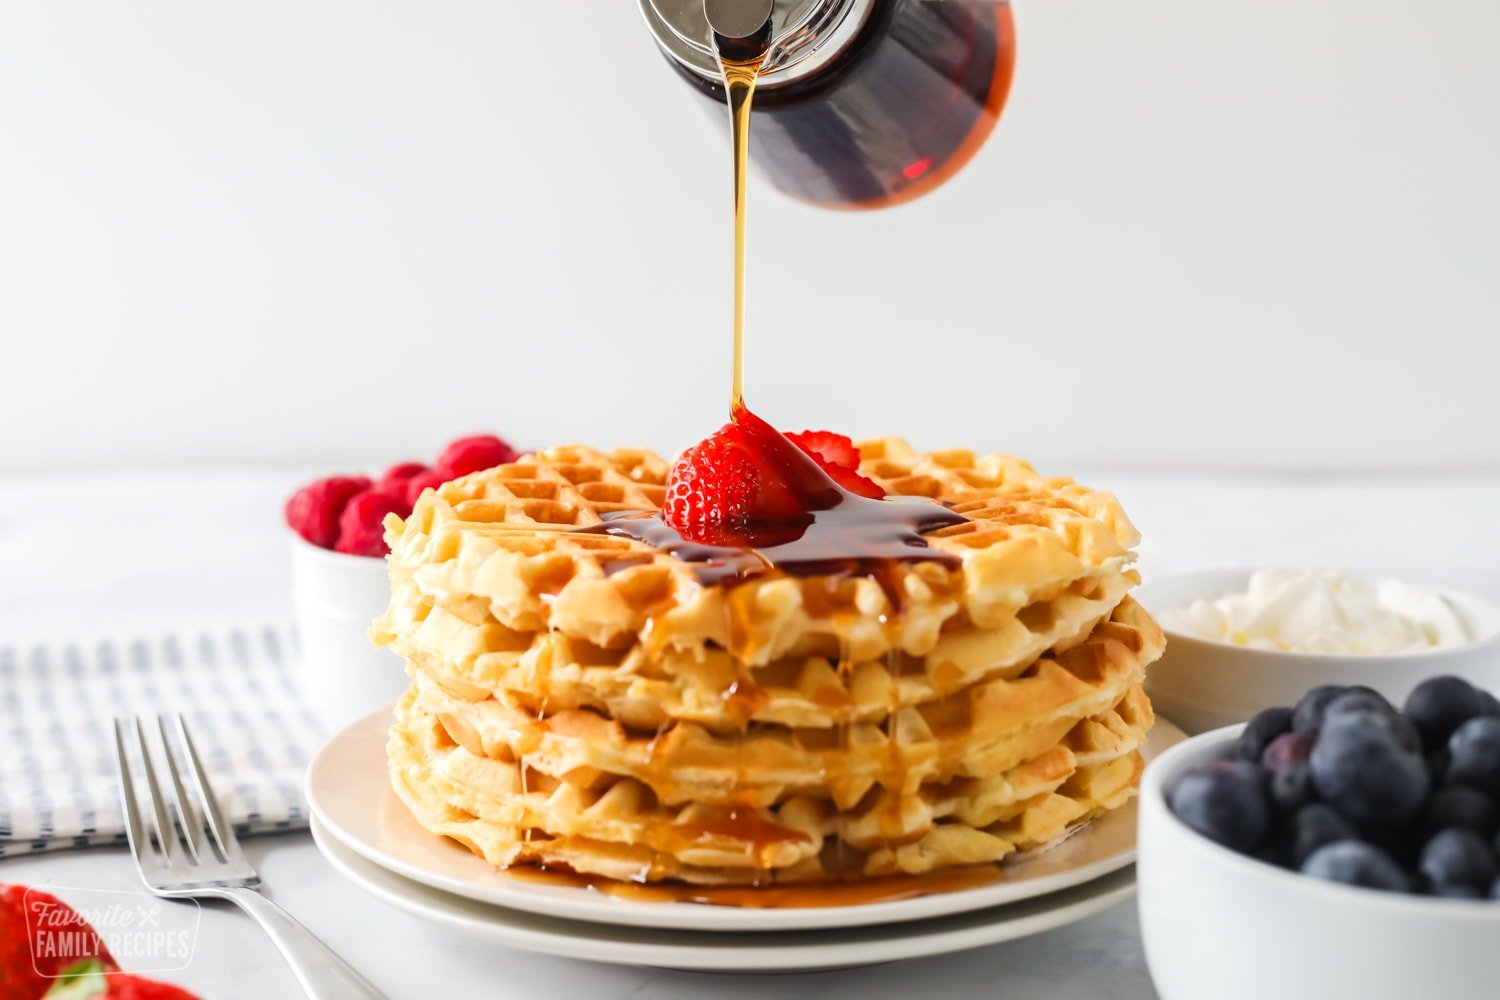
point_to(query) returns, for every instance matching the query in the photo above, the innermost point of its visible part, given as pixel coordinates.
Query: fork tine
(135, 828)
(187, 816)
(223, 833)
(165, 832)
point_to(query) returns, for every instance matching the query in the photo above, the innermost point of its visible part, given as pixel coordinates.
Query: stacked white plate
(367, 834)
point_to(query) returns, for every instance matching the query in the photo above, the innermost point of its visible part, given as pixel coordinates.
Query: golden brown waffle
(501, 546)
(711, 688)
(976, 731)
(509, 814)
(586, 700)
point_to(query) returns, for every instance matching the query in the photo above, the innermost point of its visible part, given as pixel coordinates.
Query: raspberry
(361, 531)
(26, 916)
(839, 458)
(470, 454)
(431, 479)
(395, 478)
(313, 511)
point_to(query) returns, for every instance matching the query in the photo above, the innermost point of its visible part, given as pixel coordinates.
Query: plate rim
(566, 903)
(708, 951)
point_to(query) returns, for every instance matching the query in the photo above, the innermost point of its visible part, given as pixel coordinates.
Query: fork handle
(323, 975)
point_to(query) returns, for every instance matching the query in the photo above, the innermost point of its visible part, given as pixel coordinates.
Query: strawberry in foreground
(22, 973)
(748, 483)
(91, 979)
(32, 972)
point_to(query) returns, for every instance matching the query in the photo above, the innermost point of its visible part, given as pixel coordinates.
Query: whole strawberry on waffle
(614, 669)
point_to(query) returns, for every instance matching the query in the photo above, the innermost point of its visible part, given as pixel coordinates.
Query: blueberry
(1362, 768)
(1357, 699)
(1288, 748)
(1474, 755)
(1354, 862)
(1403, 842)
(1491, 704)
(1458, 857)
(1363, 699)
(1292, 788)
(1495, 890)
(1439, 705)
(1437, 766)
(1225, 801)
(1263, 727)
(1463, 808)
(1315, 825)
(1308, 715)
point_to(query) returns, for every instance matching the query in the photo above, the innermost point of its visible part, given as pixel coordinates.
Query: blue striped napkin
(58, 701)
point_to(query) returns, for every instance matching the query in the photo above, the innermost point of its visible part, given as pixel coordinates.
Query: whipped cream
(1308, 611)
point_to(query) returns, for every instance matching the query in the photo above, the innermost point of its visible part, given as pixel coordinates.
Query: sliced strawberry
(854, 482)
(828, 448)
(726, 484)
(313, 511)
(839, 458)
(361, 527)
(471, 454)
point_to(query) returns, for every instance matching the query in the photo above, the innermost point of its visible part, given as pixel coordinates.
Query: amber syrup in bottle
(901, 109)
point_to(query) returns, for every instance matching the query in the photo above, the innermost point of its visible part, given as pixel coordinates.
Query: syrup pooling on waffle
(616, 827)
(794, 727)
(965, 734)
(501, 546)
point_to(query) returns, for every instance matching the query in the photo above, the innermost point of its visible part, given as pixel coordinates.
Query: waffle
(585, 700)
(507, 813)
(713, 689)
(978, 730)
(501, 546)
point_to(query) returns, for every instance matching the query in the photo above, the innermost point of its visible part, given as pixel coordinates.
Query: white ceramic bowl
(1200, 684)
(335, 598)
(1221, 925)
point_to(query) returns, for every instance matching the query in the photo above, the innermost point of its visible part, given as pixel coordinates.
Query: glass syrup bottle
(859, 103)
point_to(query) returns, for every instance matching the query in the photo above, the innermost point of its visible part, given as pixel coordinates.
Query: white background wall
(1260, 234)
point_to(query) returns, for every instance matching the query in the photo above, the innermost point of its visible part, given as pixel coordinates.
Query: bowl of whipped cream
(1242, 640)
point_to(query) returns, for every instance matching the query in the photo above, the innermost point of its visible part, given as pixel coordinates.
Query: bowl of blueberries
(1339, 847)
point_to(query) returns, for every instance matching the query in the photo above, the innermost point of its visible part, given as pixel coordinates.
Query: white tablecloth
(92, 554)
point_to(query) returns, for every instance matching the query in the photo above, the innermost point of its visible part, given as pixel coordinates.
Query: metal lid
(805, 35)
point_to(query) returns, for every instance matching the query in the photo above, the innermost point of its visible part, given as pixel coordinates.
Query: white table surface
(86, 555)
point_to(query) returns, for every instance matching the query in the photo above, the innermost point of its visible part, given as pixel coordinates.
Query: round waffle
(586, 700)
(503, 546)
(508, 813)
(646, 690)
(978, 730)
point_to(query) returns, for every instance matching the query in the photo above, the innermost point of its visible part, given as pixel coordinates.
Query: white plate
(350, 795)
(751, 952)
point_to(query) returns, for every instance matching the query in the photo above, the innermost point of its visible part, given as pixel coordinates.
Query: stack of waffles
(586, 702)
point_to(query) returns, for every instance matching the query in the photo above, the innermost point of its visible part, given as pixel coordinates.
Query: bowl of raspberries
(1341, 846)
(339, 583)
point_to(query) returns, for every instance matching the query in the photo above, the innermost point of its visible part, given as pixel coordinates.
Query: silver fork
(185, 848)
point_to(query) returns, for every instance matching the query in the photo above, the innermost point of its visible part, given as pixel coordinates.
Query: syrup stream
(739, 82)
